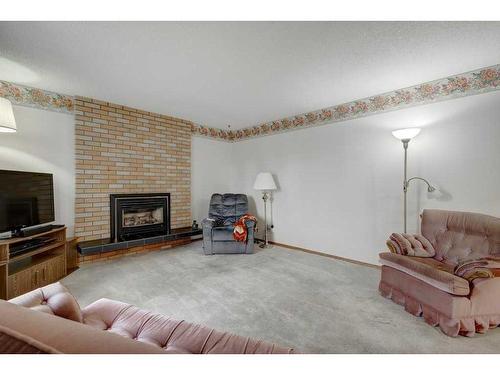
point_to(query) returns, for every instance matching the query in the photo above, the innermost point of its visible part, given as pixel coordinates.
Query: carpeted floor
(312, 303)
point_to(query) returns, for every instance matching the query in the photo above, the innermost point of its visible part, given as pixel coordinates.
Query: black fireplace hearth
(136, 216)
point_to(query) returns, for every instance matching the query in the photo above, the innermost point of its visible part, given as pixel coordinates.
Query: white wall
(44, 142)
(340, 185)
(212, 171)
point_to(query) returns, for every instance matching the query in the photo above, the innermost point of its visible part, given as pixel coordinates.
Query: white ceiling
(239, 73)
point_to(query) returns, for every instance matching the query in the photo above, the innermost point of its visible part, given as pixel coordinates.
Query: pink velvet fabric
(13, 342)
(52, 299)
(162, 334)
(428, 270)
(428, 287)
(174, 336)
(461, 236)
(414, 245)
(67, 336)
(455, 315)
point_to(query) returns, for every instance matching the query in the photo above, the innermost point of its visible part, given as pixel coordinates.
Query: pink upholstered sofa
(49, 320)
(428, 286)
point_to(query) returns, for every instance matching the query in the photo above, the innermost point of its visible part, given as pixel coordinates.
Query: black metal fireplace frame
(114, 205)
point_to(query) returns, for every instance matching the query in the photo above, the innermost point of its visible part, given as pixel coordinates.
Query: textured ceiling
(239, 73)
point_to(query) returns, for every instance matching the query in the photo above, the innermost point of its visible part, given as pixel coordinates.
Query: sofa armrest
(68, 336)
(52, 299)
(484, 296)
(427, 270)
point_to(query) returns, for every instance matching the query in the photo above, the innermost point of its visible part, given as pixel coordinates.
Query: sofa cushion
(429, 270)
(461, 236)
(52, 299)
(173, 336)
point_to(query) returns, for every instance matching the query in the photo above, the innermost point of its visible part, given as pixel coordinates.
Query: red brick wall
(125, 150)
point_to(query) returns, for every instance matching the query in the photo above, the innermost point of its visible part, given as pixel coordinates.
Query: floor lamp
(265, 183)
(405, 135)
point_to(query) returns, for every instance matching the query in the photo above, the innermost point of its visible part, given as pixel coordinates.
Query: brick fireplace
(122, 150)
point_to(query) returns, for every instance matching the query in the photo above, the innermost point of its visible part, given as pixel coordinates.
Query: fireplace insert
(136, 216)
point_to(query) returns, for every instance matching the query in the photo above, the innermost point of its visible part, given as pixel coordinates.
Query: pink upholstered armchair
(429, 287)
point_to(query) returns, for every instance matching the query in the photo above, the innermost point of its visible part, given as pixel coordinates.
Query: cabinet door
(38, 274)
(20, 283)
(55, 269)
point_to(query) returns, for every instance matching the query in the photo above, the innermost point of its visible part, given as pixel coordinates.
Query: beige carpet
(312, 303)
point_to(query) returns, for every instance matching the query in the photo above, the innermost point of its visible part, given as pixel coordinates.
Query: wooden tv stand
(24, 272)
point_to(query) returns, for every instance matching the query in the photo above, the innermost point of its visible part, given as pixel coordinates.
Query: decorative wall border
(465, 84)
(37, 98)
(470, 83)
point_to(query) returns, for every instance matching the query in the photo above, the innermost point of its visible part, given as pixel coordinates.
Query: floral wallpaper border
(471, 83)
(32, 97)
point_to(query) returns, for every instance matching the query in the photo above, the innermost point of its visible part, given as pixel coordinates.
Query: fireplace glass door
(135, 216)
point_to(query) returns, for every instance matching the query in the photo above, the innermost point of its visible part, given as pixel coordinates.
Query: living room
(229, 187)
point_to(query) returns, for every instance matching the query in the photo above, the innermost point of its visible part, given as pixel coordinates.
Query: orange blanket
(240, 232)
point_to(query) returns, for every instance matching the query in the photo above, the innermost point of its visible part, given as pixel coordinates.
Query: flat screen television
(26, 199)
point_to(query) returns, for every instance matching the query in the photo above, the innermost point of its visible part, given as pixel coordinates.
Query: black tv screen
(26, 199)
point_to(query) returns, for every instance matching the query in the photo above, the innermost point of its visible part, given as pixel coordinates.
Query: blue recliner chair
(224, 211)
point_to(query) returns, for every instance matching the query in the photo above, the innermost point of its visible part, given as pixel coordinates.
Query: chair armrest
(250, 224)
(208, 223)
(428, 273)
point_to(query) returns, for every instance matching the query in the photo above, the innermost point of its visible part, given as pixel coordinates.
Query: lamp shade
(7, 121)
(406, 133)
(264, 181)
